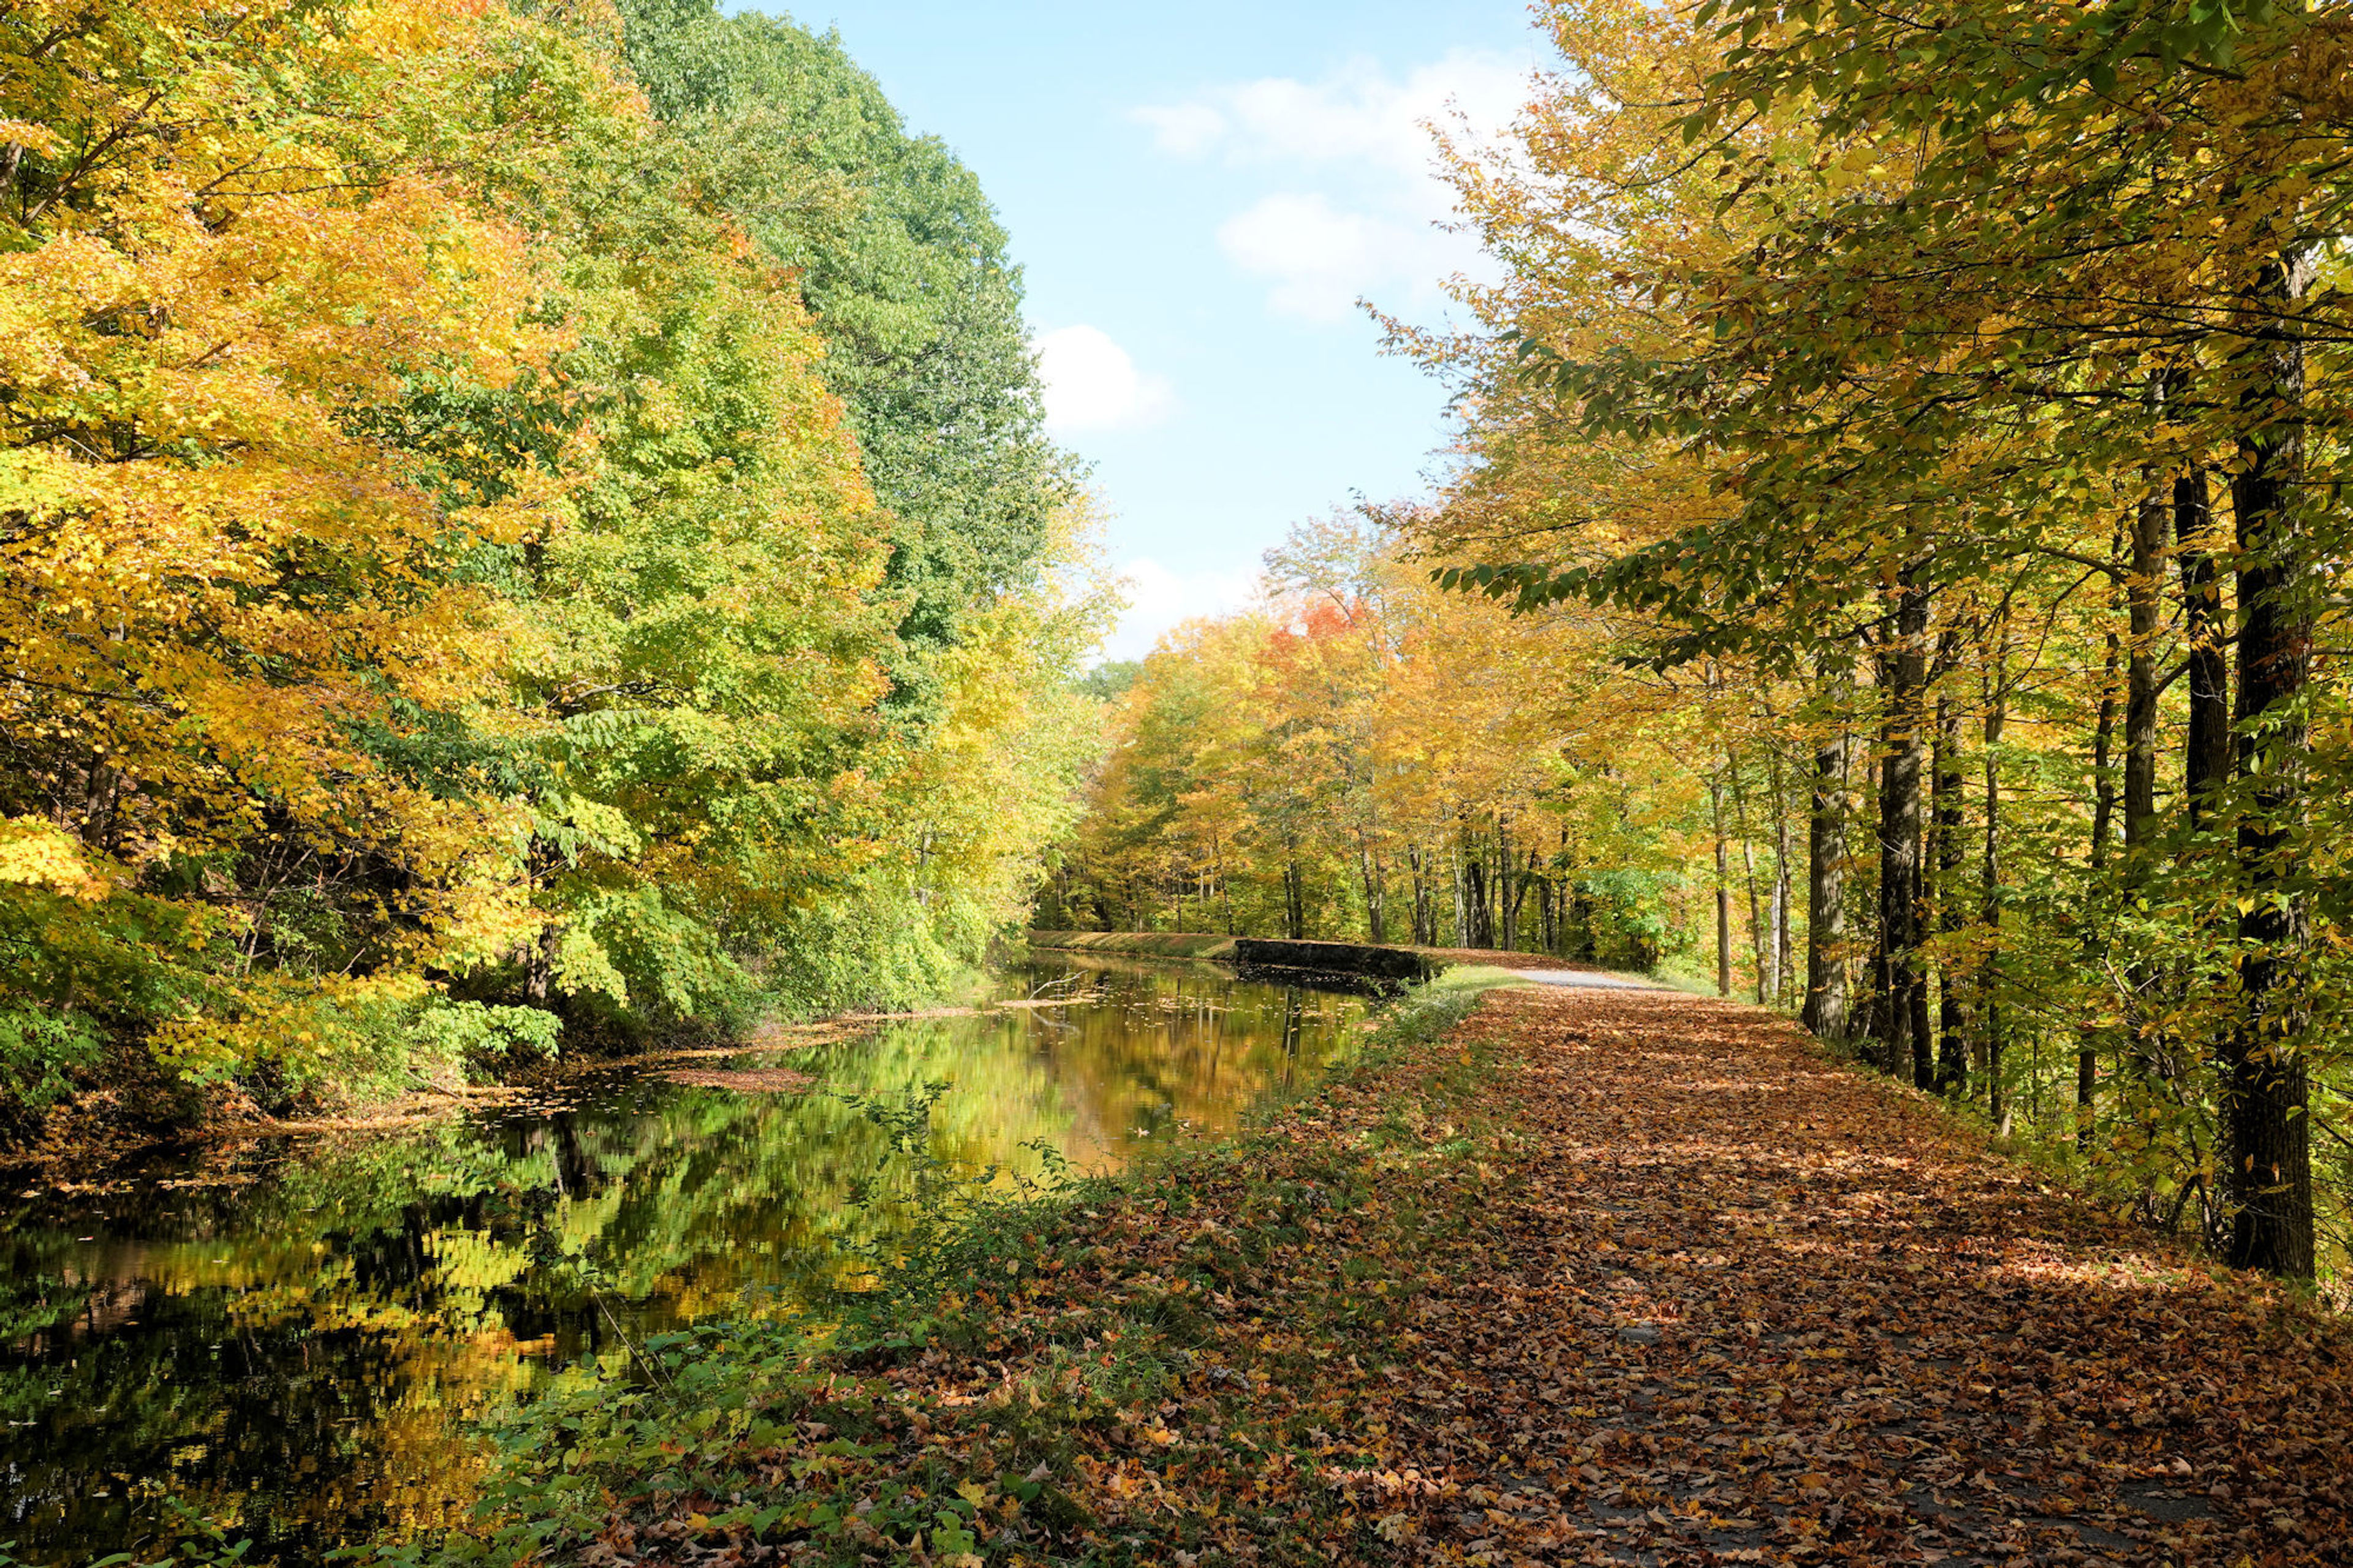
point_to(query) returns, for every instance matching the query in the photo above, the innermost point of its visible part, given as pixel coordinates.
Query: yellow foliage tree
(218, 255)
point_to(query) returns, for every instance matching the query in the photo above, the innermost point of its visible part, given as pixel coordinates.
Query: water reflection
(292, 1336)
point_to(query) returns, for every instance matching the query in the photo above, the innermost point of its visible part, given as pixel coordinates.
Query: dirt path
(1599, 1277)
(1763, 1306)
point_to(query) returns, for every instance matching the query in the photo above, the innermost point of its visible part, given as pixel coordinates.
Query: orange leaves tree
(1362, 757)
(438, 571)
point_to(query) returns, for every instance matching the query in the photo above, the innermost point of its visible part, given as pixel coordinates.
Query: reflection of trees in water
(277, 1414)
(1188, 1043)
(298, 1352)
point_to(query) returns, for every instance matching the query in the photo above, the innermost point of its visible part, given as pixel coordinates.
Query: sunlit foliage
(1363, 757)
(1967, 386)
(438, 565)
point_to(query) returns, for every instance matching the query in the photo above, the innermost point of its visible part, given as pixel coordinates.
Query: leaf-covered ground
(1595, 1277)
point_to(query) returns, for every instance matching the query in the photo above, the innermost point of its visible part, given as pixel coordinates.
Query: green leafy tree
(904, 265)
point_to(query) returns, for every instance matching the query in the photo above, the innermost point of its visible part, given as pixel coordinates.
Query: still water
(295, 1335)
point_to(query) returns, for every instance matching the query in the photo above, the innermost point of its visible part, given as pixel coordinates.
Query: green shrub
(40, 1050)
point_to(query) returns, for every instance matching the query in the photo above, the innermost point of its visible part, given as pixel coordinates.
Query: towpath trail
(1746, 1304)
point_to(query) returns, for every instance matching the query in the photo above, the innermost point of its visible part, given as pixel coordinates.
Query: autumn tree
(1922, 386)
(444, 596)
(230, 600)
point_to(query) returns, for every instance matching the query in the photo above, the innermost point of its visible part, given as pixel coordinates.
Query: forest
(556, 743)
(1890, 569)
(525, 527)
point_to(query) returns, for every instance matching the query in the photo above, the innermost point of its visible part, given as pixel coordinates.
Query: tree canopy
(1916, 439)
(902, 262)
(448, 593)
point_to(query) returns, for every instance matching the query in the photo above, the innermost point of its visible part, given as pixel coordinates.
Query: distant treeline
(1363, 757)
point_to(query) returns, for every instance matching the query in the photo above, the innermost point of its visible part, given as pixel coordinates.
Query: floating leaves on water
(758, 1080)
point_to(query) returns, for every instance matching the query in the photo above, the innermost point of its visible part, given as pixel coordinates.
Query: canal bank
(1371, 961)
(1133, 1369)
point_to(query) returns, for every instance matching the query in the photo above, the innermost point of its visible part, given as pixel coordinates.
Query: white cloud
(1319, 260)
(1187, 129)
(1359, 114)
(1361, 205)
(1091, 383)
(1159, 599)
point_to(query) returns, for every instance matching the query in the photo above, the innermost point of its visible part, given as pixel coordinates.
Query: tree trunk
(2103, 746)
(539, 965)
(1476, 918)
(1368, 867)
(1425, 907)
(2104, 812)
(1900, 837)
(1825, 1008)
(1427, 894)
(1782, 965)
(1952, 1043)
(1760, 932)
(1532, 883)
(2206, 764)
(1507, 890)
(2152, 528)
(1723, 893)
(2144, 599)
(2270, 1153)
(1997, 713)
(1878, 1023)
(1462, 892)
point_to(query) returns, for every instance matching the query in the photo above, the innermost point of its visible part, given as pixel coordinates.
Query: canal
(300, 1335)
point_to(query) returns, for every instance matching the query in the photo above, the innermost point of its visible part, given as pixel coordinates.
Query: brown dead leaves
(752, 1081)
(1744, 1305)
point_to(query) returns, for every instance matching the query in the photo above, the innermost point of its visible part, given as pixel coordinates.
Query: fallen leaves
(1650, 1281)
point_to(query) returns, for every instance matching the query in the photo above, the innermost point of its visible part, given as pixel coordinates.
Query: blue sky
(1197, 195)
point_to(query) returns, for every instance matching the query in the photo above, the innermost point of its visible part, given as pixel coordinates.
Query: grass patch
(1689, 984)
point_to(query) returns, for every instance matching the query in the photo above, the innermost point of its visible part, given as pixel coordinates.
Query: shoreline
(98, 1138)
(427, 1102)
(1072, 1293)
(1376, 960)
